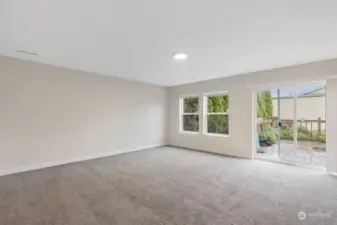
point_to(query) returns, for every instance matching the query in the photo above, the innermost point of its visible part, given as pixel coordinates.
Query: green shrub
(287, 134)
(284, 126)
(303, 136)
(322, 137)
(314, 136)
(303, 129)
(268, 134)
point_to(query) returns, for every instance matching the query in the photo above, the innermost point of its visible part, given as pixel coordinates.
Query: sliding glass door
(310, 130)
(291, 124)
(286, 114)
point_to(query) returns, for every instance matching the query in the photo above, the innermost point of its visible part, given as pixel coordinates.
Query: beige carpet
(168, 186)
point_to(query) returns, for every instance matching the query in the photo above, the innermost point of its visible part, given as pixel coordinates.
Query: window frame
(182, 114)
(206, 113)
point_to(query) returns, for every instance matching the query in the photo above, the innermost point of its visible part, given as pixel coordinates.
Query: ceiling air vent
(26, 52)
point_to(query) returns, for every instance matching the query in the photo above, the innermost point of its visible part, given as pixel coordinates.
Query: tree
(191, 105)
(269, 104)
(191, 122)
(217, 123)
(218, 103)
(264, 105)
(261, 106)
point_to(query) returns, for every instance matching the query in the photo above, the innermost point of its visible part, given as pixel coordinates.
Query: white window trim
(216, 135)
(182, 114)
(206, 113)
(215, 93)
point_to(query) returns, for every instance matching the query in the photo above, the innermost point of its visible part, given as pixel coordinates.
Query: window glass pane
(218, 104)
(191, 105)
(191, 123)
(266, 105)
(310, 108)
(284, 92)
(217, 124)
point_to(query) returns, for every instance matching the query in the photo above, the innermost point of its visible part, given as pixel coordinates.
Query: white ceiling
(135, 39)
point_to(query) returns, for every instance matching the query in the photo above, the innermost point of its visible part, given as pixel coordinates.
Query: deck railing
(302, 124)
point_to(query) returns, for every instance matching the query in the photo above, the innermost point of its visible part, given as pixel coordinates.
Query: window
(217, 119)
(189, 108)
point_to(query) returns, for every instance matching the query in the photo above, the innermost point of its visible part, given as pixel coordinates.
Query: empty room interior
(168, 112)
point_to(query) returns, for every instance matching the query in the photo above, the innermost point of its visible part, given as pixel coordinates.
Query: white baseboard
(51, 164)
(213, 152)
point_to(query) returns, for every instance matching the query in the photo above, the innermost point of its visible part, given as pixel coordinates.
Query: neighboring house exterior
(310, 106)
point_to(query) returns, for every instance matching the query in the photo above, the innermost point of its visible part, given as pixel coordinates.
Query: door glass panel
(311, 123)
(266, 126)
(286, 111)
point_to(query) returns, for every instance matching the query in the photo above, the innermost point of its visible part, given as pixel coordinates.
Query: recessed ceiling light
(179, 56)
(26, 52)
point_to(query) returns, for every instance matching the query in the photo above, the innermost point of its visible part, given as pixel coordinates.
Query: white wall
(241, 141)
(309, 108)
(51, 115)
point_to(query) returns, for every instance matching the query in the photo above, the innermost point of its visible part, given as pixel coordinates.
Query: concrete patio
(304, 155)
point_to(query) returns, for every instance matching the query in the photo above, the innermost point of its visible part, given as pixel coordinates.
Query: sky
(289, 91)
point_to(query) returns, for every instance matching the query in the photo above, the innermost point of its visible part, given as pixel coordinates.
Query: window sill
(189, 133)
(216, 135)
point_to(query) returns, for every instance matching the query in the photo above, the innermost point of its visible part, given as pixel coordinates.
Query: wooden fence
(308, 125)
